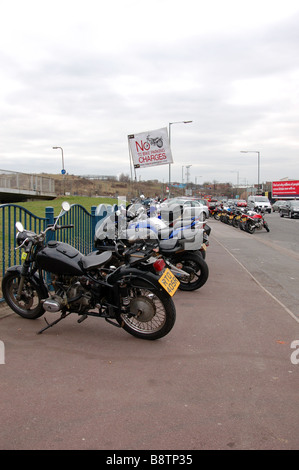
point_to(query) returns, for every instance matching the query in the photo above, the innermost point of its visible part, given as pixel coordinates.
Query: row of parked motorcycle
(142, 256)
(240, 217)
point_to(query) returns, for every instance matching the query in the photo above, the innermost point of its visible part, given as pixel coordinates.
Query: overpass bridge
(18, 187)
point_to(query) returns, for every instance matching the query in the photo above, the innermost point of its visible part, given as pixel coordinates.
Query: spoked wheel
(29, 305)
(196, 268)
(152, 312)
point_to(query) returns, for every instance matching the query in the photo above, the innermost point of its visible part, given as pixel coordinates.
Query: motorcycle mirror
(19, 227)
(65, 206)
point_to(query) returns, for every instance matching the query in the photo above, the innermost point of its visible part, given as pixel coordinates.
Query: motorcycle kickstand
(63, 315)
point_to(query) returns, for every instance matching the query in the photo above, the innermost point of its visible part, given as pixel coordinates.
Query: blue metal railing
(80, 237)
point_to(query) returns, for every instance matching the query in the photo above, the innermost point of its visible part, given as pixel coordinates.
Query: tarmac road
(226, 376)
(272, 257)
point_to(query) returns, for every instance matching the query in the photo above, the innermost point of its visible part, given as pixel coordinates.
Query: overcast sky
(83, 75)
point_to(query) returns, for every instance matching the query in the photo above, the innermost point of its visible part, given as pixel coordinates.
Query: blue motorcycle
(177, 243)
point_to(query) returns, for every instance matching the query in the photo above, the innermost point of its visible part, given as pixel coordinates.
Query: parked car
(230, 202)
(259, 202)
(290, 209)
(241, 203)
(189, 205)
(277, 204)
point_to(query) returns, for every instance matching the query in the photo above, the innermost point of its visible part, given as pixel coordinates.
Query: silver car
(276, 205)
(290, 209)
(188, 205)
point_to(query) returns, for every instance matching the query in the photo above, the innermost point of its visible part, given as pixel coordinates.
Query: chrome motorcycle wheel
(29, 305)
(151, 313)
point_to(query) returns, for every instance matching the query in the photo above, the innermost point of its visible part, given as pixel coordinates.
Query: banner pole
(169, 169)
(130, 157)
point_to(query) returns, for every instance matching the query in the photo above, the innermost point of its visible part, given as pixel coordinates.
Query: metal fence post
(49, 215)
(93, 224)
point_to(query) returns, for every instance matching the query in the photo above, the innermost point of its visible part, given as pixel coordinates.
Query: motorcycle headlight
(21, 237)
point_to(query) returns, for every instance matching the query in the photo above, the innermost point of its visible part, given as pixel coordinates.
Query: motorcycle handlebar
(58, 227)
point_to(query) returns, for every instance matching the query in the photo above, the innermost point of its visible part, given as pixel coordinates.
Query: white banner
(150, 148)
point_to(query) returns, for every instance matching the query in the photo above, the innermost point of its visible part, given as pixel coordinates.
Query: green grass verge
(38, 207)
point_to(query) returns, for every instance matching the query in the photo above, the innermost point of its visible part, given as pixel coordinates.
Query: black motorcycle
(139, 301)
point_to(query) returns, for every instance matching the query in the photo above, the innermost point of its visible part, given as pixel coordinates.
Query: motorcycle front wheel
(196, 268)
(152, 311)
(29, 305)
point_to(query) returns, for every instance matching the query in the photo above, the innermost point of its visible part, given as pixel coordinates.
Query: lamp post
(237, 171)
(63, 169)
(258, 166)
(169, 127)
(187, 178)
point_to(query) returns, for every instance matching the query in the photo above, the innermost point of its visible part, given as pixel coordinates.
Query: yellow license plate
(169, 282)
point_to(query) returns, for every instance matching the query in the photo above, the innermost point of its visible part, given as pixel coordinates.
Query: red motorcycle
(215, 212)
(251, 221)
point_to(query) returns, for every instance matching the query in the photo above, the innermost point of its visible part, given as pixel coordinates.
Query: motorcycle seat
(180, 223)
(95, 261)
(187, 234)
(168, 245)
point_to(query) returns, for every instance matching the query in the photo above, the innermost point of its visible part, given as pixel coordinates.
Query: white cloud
(84, 75)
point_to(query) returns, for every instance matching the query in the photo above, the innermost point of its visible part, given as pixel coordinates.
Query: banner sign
(285, 188)
(150, 148)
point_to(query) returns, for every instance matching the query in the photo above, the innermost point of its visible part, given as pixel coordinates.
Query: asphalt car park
(226, 377)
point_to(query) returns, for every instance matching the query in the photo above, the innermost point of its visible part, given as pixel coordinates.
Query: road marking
(259, 284)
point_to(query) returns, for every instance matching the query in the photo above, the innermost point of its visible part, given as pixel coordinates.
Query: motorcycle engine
(69, 293)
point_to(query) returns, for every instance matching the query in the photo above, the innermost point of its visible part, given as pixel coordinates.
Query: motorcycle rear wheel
(29, 306)
(153, 312)
(197, 269)
(235, 223)
(249, 228)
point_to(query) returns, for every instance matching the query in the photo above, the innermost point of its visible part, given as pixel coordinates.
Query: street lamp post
(237, 179)
(258, 166)
(63, 169)
(61, 156)
(169, 127)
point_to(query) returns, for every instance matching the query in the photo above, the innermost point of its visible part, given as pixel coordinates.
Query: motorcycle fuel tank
(60, 258)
